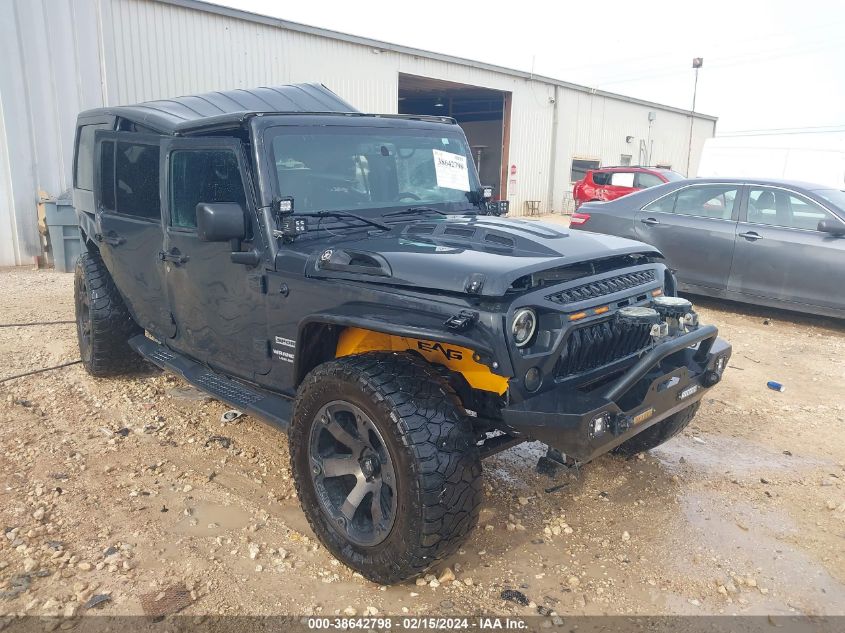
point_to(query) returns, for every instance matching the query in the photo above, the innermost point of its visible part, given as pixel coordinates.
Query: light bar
(686, 393)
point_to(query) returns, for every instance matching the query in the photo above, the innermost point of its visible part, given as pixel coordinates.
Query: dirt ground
(133, 493)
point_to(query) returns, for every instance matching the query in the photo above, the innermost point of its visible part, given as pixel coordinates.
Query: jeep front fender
(392, 329)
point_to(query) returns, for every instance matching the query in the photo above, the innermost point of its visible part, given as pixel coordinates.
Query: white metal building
(532, 135)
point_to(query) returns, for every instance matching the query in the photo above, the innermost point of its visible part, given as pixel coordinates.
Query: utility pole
(697, 63)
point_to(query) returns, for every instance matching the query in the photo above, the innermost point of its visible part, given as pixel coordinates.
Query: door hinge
(262, 346)
(259, 283)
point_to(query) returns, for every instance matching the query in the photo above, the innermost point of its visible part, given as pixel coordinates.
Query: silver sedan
(769, 242)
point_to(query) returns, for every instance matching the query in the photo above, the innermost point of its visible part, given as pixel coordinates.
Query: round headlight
(523, 327)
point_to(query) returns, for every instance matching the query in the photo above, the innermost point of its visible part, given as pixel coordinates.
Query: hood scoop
(353, 261)
(420, 229)
(462, 235)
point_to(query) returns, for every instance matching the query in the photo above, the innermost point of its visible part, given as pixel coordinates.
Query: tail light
(578, 219)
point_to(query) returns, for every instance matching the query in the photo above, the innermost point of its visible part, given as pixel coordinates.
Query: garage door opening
(483, 114)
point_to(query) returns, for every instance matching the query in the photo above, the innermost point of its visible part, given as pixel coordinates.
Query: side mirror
(220, 222)
(834, 226)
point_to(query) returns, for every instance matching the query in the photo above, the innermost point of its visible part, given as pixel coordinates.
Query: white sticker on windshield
(451, 170)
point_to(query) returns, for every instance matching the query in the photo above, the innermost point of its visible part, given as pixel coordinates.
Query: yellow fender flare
(355, 340)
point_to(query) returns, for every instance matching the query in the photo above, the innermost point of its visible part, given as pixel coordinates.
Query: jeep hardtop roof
(191, 113)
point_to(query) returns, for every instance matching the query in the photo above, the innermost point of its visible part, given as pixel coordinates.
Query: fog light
(599, 424)
(686, 393)
(638, 315)
(720, 364)
(533, 379)
(672, 306)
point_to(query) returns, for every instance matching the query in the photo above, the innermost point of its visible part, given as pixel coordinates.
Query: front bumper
(584, 424)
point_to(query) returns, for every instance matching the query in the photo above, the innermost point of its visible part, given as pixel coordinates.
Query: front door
(218, 305)
(781, 255)
(126, 198)
(694, 228)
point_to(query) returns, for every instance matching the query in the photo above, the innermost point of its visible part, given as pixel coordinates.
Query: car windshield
(341, 168)
(836, 196)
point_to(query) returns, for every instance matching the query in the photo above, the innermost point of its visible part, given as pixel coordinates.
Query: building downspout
(553, 153)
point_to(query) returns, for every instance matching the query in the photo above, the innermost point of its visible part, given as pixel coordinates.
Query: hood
(481, 255)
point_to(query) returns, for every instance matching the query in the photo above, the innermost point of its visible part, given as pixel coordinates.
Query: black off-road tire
(659, 433)
(434, 457)
(103, 322)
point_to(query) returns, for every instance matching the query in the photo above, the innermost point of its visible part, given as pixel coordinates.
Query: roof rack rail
(631, 167)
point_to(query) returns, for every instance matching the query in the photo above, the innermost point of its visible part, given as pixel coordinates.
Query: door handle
(649, 221)
(173, 255)
(112, 239)
(751, 236)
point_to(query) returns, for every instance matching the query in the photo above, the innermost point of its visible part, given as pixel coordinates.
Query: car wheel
(385, 464)
(103, 323)
(659, 433)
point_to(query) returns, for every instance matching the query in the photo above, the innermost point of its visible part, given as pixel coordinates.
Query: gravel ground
(133, 493)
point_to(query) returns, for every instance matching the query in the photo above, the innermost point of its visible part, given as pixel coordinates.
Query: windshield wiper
(412, 210)
(422, 209)
(345, 214)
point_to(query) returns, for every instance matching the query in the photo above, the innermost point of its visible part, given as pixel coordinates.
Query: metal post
(697, 63)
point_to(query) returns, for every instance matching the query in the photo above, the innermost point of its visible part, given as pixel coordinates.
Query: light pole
(697, 62)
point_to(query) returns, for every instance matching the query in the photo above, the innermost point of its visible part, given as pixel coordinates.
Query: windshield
(672, 176)
(347, 168)
(836, 196)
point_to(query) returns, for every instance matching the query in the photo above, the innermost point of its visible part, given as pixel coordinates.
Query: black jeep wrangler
(345, 277)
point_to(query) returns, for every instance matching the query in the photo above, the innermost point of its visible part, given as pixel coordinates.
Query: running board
(249, 399)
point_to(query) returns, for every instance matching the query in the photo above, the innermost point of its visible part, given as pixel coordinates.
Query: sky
(775, 65)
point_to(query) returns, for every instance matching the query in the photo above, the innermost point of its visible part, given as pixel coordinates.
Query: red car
(609, 183)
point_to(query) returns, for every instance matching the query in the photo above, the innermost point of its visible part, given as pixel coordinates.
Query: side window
(662, 205)
(644, 180)
(83, 177)
(708, 201)
(580, 167)
(806, 214)
(622, 179)
(107, 175)
(202, 176)
(776, 207)
(601, 178)
(136, 180)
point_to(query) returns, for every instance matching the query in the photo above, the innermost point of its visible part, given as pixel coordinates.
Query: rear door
(621, 184)
(695, 228)
(218, 305)
(128, 210)
(780, 254)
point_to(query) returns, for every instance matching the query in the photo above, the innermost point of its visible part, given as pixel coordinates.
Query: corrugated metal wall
(63, 56)
(51, 70)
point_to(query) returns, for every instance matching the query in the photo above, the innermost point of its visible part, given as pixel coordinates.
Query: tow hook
(620, 423)
(710, 377)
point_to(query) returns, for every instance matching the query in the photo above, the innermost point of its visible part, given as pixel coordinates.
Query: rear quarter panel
(610, 218)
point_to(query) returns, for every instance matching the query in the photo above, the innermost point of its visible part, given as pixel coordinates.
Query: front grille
(599, 344)
(603, 287)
